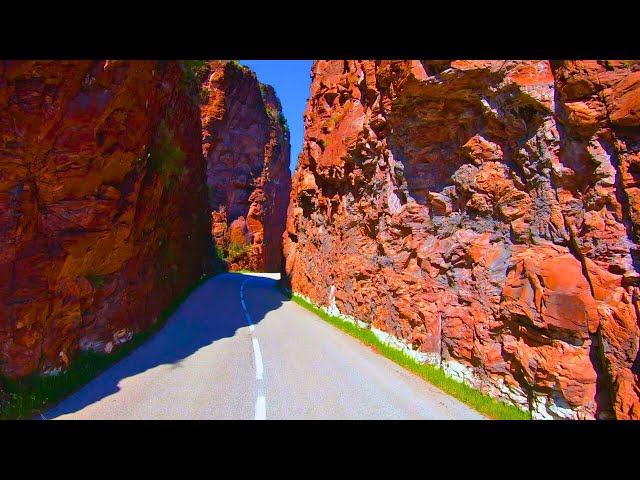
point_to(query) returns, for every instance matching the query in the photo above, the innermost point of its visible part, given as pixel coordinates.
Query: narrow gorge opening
(246, 148)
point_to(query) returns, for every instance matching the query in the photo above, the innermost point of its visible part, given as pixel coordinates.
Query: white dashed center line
(261, 409)
(258, 357)
(261, 403)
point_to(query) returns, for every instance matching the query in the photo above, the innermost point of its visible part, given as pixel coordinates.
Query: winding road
(237, 348)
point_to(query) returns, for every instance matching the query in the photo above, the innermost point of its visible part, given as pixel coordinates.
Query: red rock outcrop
(103, 204)
(485, 213)
(245, 140)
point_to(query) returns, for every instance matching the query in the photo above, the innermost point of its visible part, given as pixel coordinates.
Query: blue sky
(292, 81)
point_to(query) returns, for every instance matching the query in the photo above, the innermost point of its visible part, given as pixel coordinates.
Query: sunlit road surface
(238, 348)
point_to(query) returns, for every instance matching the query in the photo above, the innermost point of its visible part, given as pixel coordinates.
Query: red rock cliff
(103, 204)
(485, 213)
(246, 143)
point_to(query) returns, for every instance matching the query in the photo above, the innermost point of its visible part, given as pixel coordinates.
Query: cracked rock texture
(246, 143)
(103, 204)
(485, 212)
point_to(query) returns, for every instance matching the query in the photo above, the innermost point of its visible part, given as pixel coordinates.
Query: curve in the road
(207, 363)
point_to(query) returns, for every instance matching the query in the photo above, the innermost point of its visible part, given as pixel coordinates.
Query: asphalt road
(237, 348)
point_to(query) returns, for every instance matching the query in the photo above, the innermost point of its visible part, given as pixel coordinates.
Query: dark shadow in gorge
(212, 312)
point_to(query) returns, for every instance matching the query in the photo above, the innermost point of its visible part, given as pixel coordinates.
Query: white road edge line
(258, 357)
(261, 408)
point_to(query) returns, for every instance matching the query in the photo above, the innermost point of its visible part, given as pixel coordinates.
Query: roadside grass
(30, 396)
(484, 404)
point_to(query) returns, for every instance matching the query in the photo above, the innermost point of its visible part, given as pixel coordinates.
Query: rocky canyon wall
(487, 214)
(103, 204)
(245, 141)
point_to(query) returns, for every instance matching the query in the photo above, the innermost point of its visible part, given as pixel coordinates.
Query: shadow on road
(210, 313)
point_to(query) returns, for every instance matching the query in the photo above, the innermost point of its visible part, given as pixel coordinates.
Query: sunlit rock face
(245, 140)
(484, 212)
(103, 204)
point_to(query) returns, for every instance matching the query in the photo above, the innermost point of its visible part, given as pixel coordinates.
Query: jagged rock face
(485, 212)
(246, 144)
(103, 204)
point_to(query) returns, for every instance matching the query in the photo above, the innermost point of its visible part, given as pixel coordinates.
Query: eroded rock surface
(103, 204)
(246, 143)
(484, 212)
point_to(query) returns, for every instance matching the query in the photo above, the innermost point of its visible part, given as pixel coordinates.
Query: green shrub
(98, 281)
(283, 121)
(194, 70)
(238, 249)
(270, 111)
(204, 95)
(166, 157)
(220, 253)
(194, 73)
(263, 91)
(233, 251)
